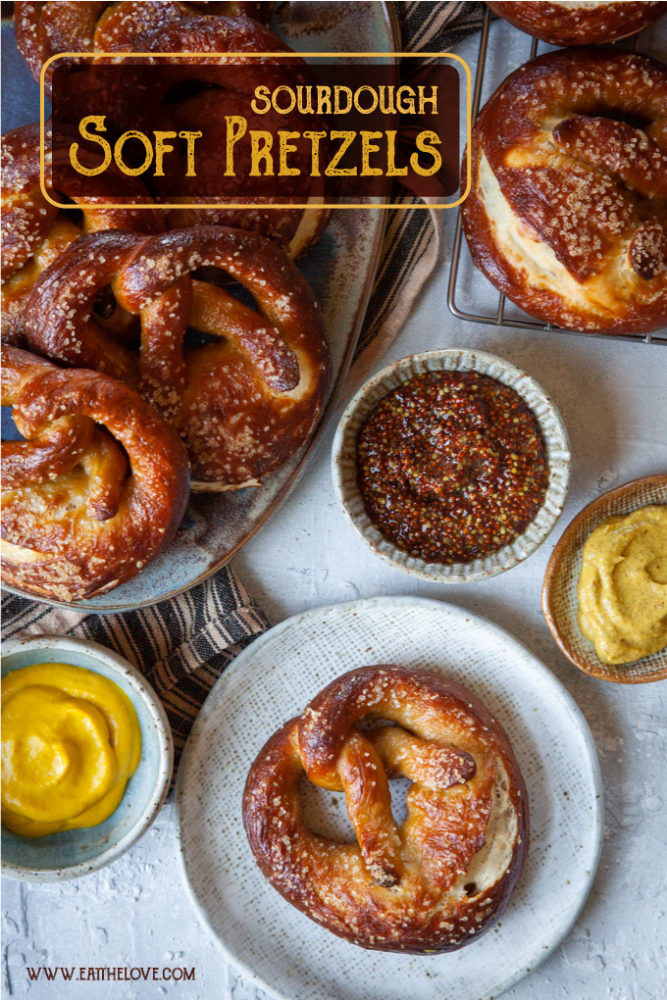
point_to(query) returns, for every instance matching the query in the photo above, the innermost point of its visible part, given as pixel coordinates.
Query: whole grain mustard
(70, 742)
(622, 586)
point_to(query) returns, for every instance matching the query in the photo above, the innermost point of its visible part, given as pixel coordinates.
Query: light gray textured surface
(613, 398)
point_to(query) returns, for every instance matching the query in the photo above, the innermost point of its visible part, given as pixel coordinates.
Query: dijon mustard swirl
(70, 742)
(623, 586)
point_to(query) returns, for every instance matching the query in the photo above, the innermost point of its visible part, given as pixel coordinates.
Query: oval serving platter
(340, 268)
(559, 593)
(276, 946)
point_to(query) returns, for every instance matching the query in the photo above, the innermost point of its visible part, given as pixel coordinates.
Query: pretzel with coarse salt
(437, 880)
(567, 215)
(97, 488)
(243, 386)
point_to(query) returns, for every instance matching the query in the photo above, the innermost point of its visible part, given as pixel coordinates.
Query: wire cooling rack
(506, 313)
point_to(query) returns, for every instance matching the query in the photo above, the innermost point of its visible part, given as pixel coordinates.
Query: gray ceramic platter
(340, 269)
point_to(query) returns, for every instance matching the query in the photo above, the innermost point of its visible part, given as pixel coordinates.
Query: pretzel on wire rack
(582, 23)
(567, 215)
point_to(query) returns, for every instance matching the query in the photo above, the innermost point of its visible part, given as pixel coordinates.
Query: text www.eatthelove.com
(107, 973)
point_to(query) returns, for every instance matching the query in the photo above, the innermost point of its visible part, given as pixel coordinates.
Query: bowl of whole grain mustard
(87, 756)
(452, 464)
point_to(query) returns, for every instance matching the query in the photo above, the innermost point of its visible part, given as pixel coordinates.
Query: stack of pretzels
(166, 356)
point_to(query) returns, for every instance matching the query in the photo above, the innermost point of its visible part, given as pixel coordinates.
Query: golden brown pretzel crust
(95, 491)
(34, 232)
(435, 882)
(44, 29)
(565, 24)
(567, 215)
(245, 399)
(295, 229)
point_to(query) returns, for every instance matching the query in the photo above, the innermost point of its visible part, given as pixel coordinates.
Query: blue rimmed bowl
(78, 852)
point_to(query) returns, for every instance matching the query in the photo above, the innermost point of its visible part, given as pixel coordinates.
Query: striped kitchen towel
(183, 645)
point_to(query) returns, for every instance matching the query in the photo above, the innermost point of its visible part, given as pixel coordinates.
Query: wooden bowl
(559, 593)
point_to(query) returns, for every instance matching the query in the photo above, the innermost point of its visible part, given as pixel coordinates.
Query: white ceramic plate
(278, 947)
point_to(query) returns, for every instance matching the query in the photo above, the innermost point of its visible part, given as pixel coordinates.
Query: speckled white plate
(278, 947)
(357, 411)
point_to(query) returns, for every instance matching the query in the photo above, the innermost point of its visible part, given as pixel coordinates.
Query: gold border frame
(256, 55)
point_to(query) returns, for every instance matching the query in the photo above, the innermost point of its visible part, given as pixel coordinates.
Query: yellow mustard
(623, 586)
(70, 742)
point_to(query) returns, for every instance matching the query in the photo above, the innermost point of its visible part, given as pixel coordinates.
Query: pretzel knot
(567, 214)
(95, 491)
(429, 884)
(35, 232)
(242, 386)
(43, 29)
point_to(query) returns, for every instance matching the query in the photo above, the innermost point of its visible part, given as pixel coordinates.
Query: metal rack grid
(522, 320)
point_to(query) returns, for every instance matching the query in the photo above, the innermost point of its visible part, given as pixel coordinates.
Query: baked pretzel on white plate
(438, 880)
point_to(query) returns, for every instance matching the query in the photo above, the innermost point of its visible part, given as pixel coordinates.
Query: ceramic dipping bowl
(77, 852)
(560, 604)
(344, 462)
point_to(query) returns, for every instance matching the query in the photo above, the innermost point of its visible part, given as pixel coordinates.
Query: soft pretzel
(431, 884)
(568, 23)
(217, 28)
(97, 488)
(568, 209)
(228, 93)
(246, 392)
(44, 29)
(35, 232)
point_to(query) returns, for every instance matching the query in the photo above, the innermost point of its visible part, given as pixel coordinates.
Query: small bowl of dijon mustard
(605, 588)
(87, 757)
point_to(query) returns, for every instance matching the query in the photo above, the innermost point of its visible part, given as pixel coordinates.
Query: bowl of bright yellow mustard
(87, 757)
(605, 589)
